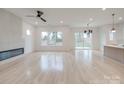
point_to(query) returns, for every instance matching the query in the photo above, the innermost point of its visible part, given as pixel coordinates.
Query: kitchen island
(114, 52)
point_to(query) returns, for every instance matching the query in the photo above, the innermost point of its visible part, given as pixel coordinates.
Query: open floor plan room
(61, 46)
(80, 67)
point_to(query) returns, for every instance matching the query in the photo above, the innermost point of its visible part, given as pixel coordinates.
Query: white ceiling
(75, 17)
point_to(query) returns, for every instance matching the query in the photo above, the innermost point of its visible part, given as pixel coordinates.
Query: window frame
(48, 41)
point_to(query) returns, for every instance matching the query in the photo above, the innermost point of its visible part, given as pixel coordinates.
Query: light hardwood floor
(81, 66)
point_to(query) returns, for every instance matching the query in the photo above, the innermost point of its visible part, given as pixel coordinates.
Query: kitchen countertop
(114, 46)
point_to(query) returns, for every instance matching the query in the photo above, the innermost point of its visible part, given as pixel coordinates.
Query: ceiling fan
(39, 15)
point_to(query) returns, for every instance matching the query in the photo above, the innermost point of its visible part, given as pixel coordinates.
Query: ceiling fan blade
(42, 19)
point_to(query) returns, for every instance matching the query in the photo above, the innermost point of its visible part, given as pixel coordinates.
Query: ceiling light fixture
(36, 23)
(61, 22)
(103, 9)
(113, 28)
(89, 31)
(120, 18)
(91, 19)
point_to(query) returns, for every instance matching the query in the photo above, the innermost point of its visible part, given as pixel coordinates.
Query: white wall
(13, 33)
(67, 40)
(10, 31)
(120, 33)
(29, 39)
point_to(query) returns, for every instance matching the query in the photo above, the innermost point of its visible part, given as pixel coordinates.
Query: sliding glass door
(83, 40)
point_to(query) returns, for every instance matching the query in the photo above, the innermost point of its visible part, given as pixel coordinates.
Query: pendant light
(89, 30)
(113, 28)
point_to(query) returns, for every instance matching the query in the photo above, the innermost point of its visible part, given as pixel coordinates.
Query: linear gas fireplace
(11, 53)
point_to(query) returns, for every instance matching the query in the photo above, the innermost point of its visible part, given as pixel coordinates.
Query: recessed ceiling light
(36, 23)
(91, 19)
(103, 9)
(61, 21)
(120, 18)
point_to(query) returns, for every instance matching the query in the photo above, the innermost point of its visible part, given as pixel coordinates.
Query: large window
(83, 40)
(112, 35)
(52, 38)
